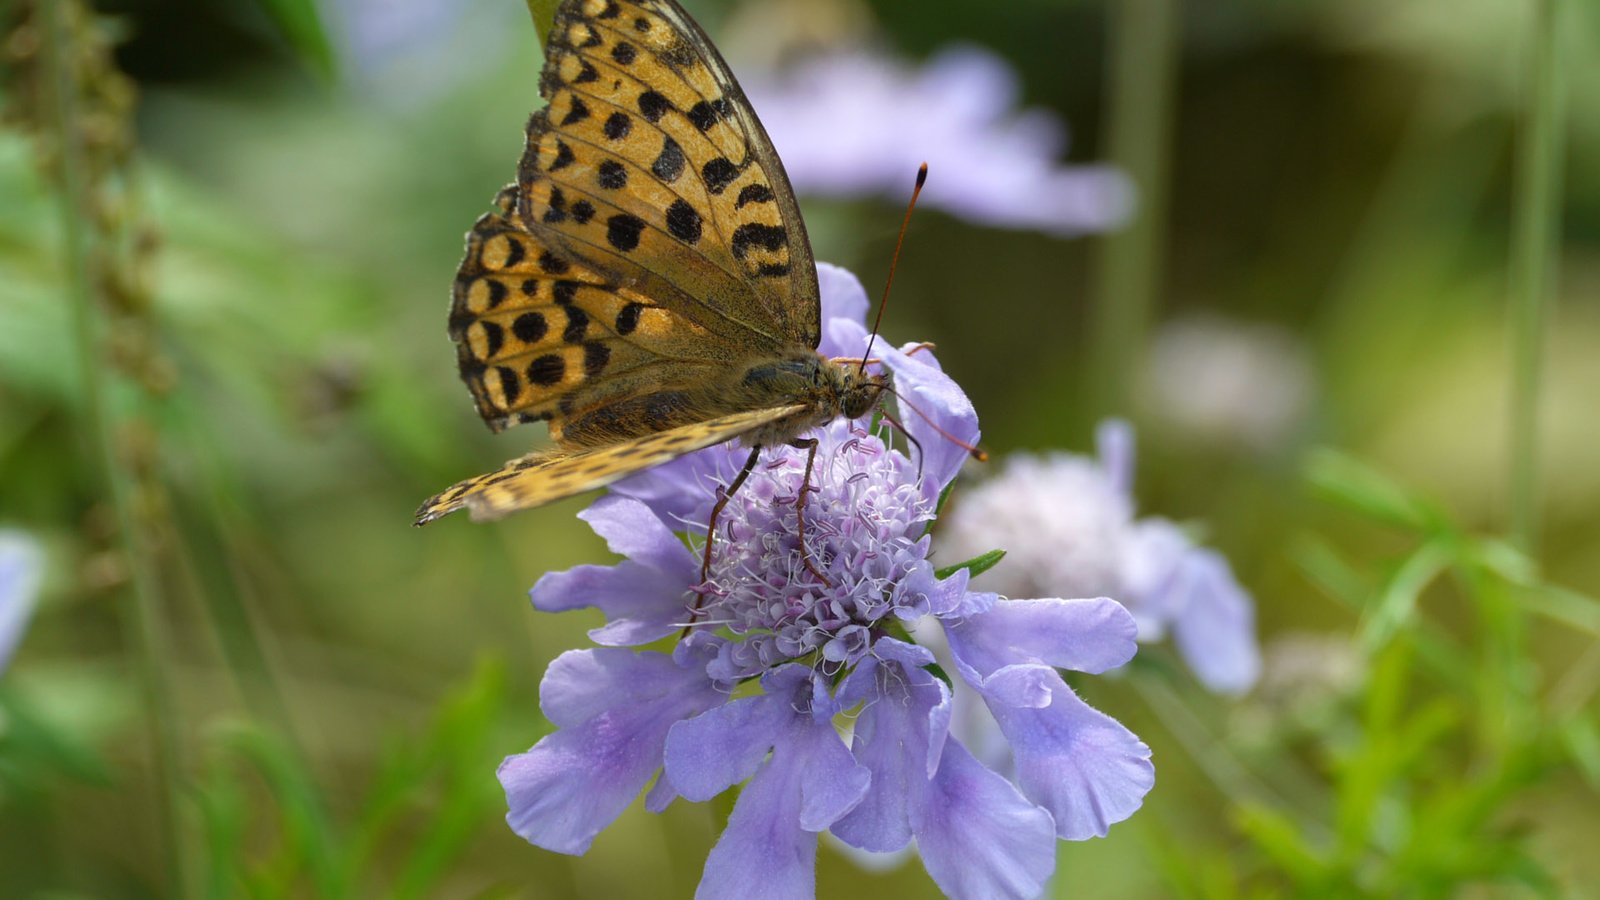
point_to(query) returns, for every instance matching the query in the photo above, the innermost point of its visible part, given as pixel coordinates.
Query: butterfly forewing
(536, 479)
(650, 252)
(650, 141)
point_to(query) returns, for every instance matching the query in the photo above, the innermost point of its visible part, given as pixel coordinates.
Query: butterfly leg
(723, 496)
(810, 446)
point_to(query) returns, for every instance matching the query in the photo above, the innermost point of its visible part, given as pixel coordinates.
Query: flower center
(864, 518)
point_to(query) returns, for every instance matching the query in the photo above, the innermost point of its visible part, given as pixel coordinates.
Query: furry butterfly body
(646, 287)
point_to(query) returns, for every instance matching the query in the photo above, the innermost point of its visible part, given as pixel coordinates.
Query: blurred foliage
(271, 232)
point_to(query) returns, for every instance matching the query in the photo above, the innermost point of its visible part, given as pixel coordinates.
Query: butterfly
(646, 287)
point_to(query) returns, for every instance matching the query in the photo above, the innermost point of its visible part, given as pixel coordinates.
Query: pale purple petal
(640, 603)
(632, 530)
(1215, 629)
(716, 750)
(979, 837)
(899, 735)
(576, 781)
(1093, 635)
(21, 570)
(1114, 444)
(810, 781)
(1078, 763)
(942, 415)
(763, 852)
(843, 299)
(858, 124)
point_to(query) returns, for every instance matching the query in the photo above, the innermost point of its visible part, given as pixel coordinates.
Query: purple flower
(826, 651)
(854, 124)
(21, 569)
(1067, 524)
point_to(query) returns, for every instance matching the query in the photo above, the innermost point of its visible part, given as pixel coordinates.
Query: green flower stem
(1142, 76)
(142, 621)
(1534, 254)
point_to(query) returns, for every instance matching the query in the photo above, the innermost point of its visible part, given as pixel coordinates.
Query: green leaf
(1277, 837)
(300, 24)
(1355, 485)
(978, 564)
(938, 672)
(1396, 604)
(1581, 738)
(544, 17)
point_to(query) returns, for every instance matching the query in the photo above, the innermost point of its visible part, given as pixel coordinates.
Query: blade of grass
(143, 618)
(1142, 79)
(1536, 211)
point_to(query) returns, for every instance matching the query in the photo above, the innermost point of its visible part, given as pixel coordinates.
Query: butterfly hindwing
(537, 479)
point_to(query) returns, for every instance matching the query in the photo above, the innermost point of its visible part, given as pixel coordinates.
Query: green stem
(1142, 77)
(143, 621)
(1534, 254)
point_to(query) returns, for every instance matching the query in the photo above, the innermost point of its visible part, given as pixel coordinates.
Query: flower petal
(576, 781)
(1084, 635)
(1114, 444)
(898, 738)
(844, 298)
(640, 603)
(1215, 629)
(979, 837)
(632, 530)
(21, 570)
(769, 848)
(763, 852)
(1080, 764)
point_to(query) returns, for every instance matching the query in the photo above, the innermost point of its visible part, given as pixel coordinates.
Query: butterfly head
(859, 391)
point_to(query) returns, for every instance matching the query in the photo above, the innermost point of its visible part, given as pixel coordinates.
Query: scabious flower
(1067, 524)
(825, 651)
(1225, 382)
(21, 567)
(854, 124)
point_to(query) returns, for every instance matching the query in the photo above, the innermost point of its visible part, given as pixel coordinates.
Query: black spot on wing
(612, 175)
(628, 319)
(494, 337)
(530, 327)
(623, 230)
(577, 324)
(577, 113)
(653, 106)
(718, 174)
(683, 221)
(547, 370)
(564, 157)
(670, 162)
(595, 357)
(756, 235)
(753, 193)
(618, 125)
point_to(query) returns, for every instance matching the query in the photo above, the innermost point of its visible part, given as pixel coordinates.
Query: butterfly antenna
(978, 453)
(922, 178)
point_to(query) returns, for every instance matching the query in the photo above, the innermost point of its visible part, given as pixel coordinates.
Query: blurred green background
(277, 212)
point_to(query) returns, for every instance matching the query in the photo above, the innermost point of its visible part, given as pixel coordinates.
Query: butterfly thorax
(828, 389)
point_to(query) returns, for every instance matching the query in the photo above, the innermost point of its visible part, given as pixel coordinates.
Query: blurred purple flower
(406, 51)
(21, 570)
(1221, 381)
(854, 124)
(1067, 525)
(819, 647)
